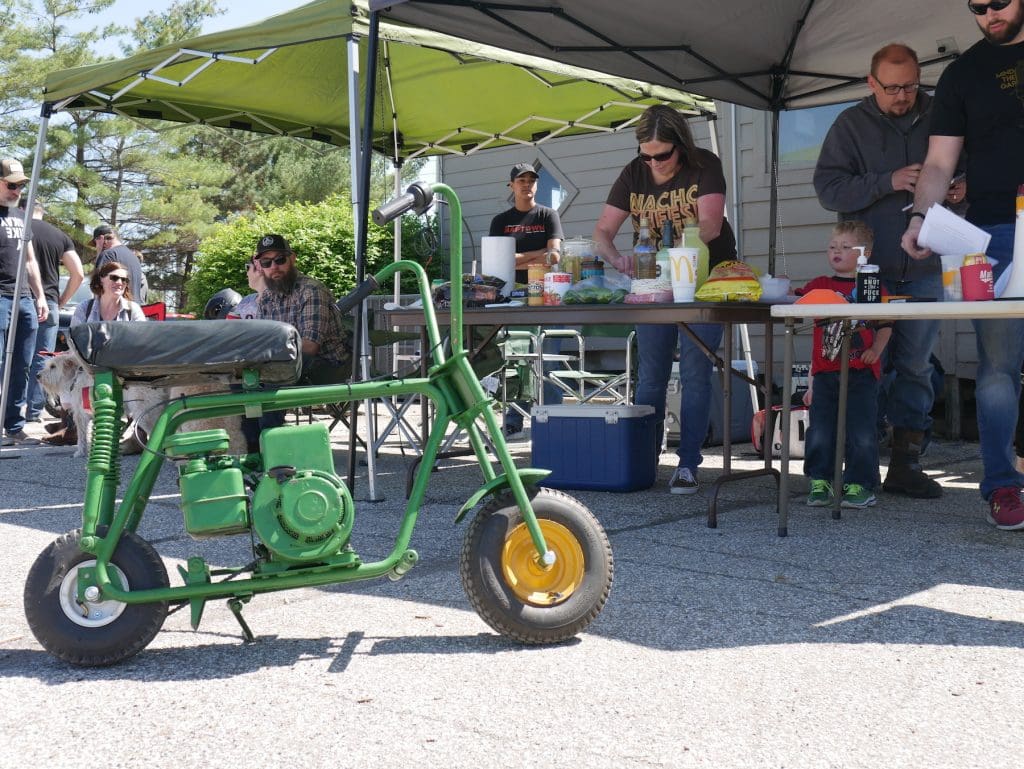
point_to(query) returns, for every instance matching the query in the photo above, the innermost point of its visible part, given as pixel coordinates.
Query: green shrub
(322, 236)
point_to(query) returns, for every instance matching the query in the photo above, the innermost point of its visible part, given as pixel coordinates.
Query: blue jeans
(861, 449)
(910, 395)
(656, 346)
(997, 385)
(46, 339)
(26, 322)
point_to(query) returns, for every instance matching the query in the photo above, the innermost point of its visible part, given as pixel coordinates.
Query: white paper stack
(946, 233)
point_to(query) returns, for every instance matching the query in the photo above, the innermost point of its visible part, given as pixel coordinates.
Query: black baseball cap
(521, 168)
(272, 242)
(103, 229)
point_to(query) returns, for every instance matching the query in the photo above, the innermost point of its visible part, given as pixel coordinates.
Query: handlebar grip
(393, 209)
(417, 198)
(363, 290)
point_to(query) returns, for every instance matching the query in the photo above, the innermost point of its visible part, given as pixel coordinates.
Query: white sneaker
(683, 481)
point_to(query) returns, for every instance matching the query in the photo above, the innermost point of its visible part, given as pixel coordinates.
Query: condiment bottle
(664, 261)
(869, 282)
(644, 256)
(691, 239)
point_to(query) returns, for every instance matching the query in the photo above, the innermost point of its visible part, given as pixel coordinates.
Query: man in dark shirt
(979, 108)
(20, 312)
(110, 249)
(538, 232)
(53, 248)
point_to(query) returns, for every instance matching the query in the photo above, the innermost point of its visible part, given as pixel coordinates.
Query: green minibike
(536, 564)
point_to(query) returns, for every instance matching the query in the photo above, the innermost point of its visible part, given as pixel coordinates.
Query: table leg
(728, 476)
(787, 395)
(844, 386)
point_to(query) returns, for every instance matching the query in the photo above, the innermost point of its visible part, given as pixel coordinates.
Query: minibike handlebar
(418, 198)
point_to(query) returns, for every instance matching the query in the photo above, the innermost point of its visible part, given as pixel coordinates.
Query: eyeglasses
(659, 158)
(278, 260)
(119, 279)
(15, 185)
(892, 90)
(980, 9)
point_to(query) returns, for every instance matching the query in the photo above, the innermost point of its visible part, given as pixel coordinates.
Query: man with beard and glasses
(979, 107)
(867, 171)
(285, 294)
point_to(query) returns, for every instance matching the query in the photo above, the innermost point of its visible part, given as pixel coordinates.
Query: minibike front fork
(455, 376)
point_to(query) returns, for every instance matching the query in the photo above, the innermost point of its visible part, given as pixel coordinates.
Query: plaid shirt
(311, 309)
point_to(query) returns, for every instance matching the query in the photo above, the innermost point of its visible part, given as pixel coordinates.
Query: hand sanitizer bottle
(869, 282)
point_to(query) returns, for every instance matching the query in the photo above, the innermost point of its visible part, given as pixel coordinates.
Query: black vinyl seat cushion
(191, 350)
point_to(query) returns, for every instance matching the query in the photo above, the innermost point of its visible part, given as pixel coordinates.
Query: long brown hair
(665, 124)
(101, 272)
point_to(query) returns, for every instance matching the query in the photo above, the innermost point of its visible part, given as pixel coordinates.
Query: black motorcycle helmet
(221, 303)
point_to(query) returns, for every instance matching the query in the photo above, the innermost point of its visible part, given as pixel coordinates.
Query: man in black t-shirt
(53, 248)
(537, 231)
(109, 248)
(979, 107)
(536, 228)
(21, 312)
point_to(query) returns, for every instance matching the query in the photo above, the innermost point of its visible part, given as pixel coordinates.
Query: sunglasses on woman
(980, 9)
(661, 157)
(119, 279)
(278, 260)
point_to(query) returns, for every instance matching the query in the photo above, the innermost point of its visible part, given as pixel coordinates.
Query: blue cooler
(601, 448)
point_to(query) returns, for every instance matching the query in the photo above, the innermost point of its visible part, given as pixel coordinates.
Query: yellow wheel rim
(534, 583)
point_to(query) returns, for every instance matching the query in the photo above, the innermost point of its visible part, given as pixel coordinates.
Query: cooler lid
(610, 414)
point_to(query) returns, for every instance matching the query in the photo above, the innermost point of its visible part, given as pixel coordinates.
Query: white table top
(1010, 308)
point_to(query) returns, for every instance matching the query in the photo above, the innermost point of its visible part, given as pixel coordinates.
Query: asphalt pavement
(889, 638)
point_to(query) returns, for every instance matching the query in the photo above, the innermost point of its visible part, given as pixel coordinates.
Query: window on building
(801, 133)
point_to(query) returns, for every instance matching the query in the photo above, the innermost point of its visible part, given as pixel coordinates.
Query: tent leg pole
(773, 206)
(19, 280)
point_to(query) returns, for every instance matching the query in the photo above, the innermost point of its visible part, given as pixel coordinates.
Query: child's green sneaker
(821, 493)
(855, 495)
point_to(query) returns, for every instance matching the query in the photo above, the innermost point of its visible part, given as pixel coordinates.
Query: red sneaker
(1006, 511)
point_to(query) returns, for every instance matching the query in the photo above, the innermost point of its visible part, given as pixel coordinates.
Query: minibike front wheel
(509, 587)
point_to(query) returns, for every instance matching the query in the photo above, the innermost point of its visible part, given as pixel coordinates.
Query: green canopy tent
(294, 75)
(299, 74)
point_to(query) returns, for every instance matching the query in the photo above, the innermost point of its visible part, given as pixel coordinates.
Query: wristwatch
(915, 213)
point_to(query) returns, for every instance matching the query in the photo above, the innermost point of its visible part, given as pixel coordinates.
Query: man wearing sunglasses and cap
(979, 108)
(109, 248)
(25, 314)
(286, 295)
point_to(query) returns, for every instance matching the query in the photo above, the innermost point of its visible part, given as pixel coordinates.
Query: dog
(64, 377)
(144, 404)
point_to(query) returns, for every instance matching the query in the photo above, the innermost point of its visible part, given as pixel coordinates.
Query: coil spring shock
(106, 418)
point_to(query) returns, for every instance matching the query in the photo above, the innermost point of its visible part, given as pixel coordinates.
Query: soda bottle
(645, 263)
(691, 239)
(664, 261)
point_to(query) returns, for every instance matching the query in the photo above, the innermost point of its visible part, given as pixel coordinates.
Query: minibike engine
(300, 509)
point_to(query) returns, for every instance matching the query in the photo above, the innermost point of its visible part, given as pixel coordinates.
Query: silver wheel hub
(90, 613)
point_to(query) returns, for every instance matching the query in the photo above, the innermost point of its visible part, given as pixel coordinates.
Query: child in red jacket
(861, 471)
